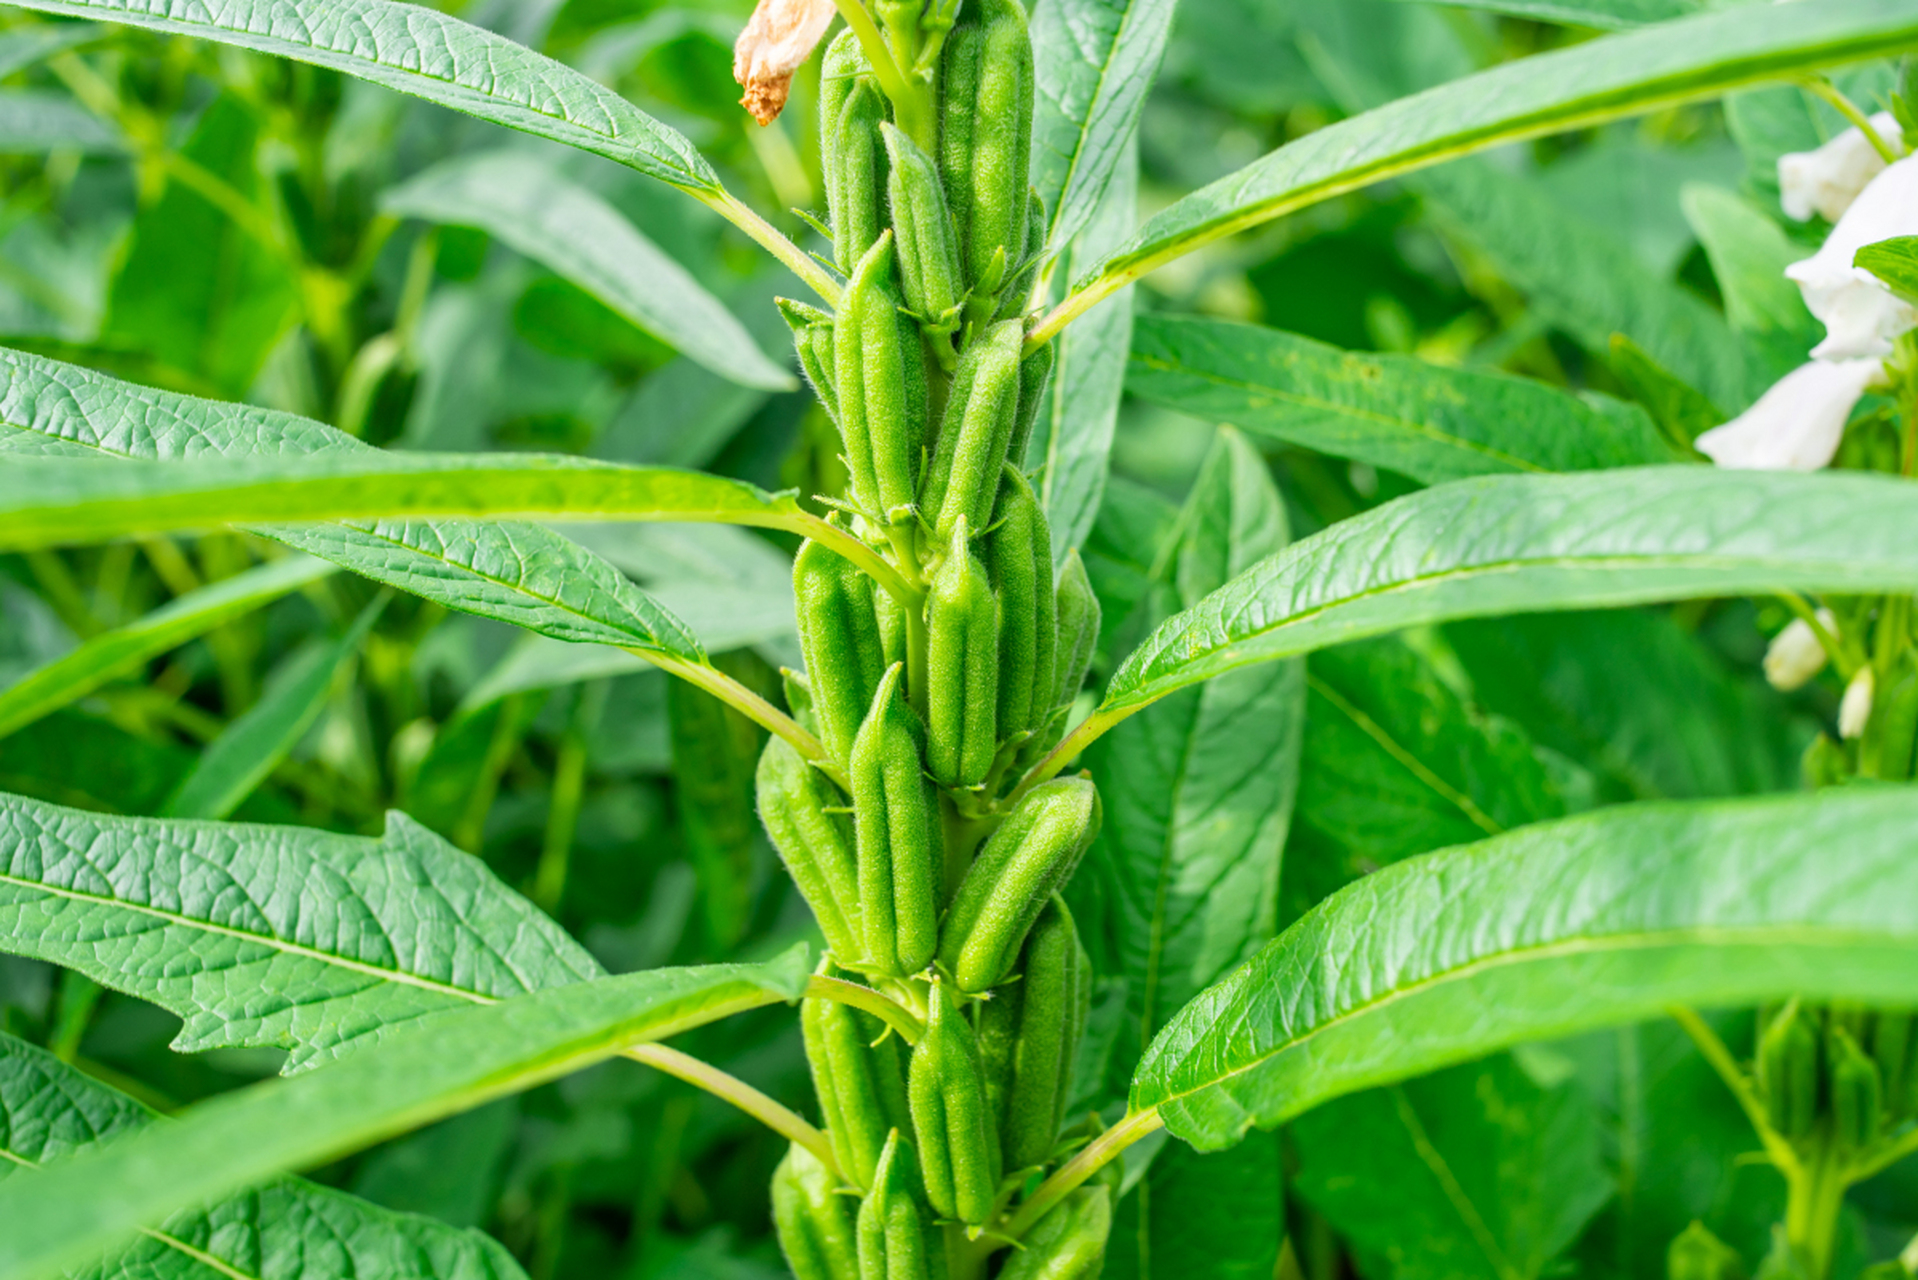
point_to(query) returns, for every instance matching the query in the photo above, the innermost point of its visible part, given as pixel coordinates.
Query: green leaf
(1606, 15)
(1749, 253)
(288, 1228)
(429, 55)
(1576, 87)
(1568, 926)
(115, 653)
(447, 1063)
(531, 206)
(1895, 262)
(253, 746)
(1218, 1216)
(22, 47)
(1422, 420)
(1096, 62)
(37, 120)
(1515, 544)
(272, 936)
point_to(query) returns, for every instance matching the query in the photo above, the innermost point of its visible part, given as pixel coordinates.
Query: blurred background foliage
(214, 222)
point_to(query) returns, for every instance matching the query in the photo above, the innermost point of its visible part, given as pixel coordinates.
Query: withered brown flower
(776, 42)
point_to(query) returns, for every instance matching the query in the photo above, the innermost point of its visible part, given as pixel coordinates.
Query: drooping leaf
(37, 120)
(288, 1229)
(533, 207)
(1419, 419)
(438, 1066)
(114, 653)
(278, 936)
(1554, 929)
(1749, 253)
(1896, 263)
(430, 55)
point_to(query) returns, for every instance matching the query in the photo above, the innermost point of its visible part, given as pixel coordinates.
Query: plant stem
(1844, 106)
(1075, 1171)
(1095, 726)
(909, 597)
(1776, 1148)
(797, 260)
(1817, 1196)
(750, 705)
(879, 1005)
(703, 1075)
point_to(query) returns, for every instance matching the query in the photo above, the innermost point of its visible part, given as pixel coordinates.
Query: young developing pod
(1018, 294)
(839, 634)
(1788, 1072)
(894, 1242)
(796, 803)
(899, 840)
(1069, 1243)
(1893, 1048)
(958, 1150)
(814, 1222)
(1697, 1254)
(1055, 999)
(812, 331)
(928, 244)
(962, 481)
(1028, 859)
(880, 373)
(986, 134)
(1035, 373)
(1857, 1091)
(851, 110)
(860, 1080)
(1079, 618)
(962, 668)
(1019, 561)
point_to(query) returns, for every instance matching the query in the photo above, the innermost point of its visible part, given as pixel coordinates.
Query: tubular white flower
(1854, 713)
(777, 40)
(1827, 180)
(1795, 655)
(1795, 426)
(1861, 316)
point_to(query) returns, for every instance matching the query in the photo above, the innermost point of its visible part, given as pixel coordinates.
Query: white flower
(1827, 180)
(1796, 655)
(776, 42)
(1854, 713)
(1861, 316)
(1795, 426)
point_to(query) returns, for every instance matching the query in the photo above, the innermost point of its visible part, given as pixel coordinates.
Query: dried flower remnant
(776, 42)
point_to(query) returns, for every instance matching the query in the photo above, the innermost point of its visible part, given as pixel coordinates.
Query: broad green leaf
(253, 745)
(1606, 15)
(1216, 1216)
(278, 936)
(447, 1063)
(115, 653)
(1516, 544)
(1422, 420)
(1621, 75)
(430, 55)
(1096, 61)
(37, 120)
(1896, 263)
(22, 47)
(287, 1229)
(1565, 927)
(531, 206)
(1749, 253)
(88, 763)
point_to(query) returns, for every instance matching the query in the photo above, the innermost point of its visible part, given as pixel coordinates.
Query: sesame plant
(1470, 834)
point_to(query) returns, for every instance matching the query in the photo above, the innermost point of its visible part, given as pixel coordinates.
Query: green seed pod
(928, 244)
(1891, 1048)
(1055, 999)
(963, 480)
(860, 1080)
(812, 331)
(1069, 1243)
(958, 1150)
(962, 668)
(880, 372)
(1857, 1091)
(1697, 1254)
(1019, 560)
(986, 133)
(815, 1222)
(892, 626)
(1788, 1072)
(899, 840)
(1035, 373)
(796, 804)
(839, 634)
(1029, 858)
(892, 1233)
(1079, 618)
(851, 109)
(1018, 294)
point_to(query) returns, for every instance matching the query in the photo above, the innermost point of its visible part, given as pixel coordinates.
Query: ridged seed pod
(795, 804)
(812, 331)
(1028, 859)
(1788, 1072)
(1019, 561)
(814, 1222)
(851, 109)
(1035, 374)
(894, 1243)
(962, 668)
(986, 133)
(1055, 996)
(880, 373)
(899, 840)
(1079, 618)
(1067, 1244)
(1014, 299)
(860, 1080)
(1857, 1091)
(962, 481)
(958, 1150)
(927, 242)
(839, 634)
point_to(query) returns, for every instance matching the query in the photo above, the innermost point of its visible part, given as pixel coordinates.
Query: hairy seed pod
(893, 1238)
(1697, 1254)
(839, 634)
(958, 1150)
(880, 373)
(928, 245)
(962, 668)
(899, 840)
(1029, 858)
(986, 134)
(860, 1080)
(1069, 1243)
(1055, 999)
(1857, 1091)
(1079, 618)
(796, 804)
(1019, 560)
(814, 1222)
(1018, 294)
(1894, 1047)
(1035, 374)
(851, 109)
(963, 479)
(1788, 1072)
(892, 626)
(812, 331)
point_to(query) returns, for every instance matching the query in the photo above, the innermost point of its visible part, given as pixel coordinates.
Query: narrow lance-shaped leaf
(37, 120)
(443, 1064)
(1548, 931)
(50, 1111)
(1607, 15)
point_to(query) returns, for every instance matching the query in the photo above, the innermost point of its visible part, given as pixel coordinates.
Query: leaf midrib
(1399, 752)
